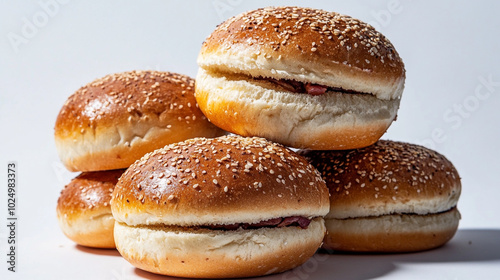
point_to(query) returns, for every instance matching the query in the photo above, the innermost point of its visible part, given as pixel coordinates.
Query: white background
(451, 103)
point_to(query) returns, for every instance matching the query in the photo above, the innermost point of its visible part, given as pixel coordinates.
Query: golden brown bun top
(385, 178)
(316, 40)
(88, 191)
(226, 180)
(124, 97)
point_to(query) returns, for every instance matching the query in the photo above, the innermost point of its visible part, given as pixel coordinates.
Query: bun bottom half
(204, 253)
(397, 233)
(92, 230)
(332, 121)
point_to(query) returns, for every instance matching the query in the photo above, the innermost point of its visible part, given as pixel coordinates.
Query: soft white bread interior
(258, 108)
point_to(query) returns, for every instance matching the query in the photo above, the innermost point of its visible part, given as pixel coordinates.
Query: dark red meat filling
(299, 87)
(278, 222)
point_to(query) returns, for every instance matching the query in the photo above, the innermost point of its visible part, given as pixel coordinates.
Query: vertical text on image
(11, 222)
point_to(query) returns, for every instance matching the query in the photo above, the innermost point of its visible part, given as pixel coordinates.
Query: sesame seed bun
(252, 54)
(84, 211)
(207, 183)
(388, 197)
(337, 121)
(114, 120)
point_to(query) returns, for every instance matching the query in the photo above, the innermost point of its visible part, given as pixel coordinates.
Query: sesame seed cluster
(83, 208)
(386, 171)
(88, 191)
(114, 120)
(258, 71)
(388, 197)
(222, 173)
(313, 33)
(134, 96)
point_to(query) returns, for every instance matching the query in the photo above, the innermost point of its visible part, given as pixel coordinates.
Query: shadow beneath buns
(98, 251)
(148, 275)
(468, 245)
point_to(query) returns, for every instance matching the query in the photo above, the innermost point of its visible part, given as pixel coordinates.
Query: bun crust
(113, 121)
(388, 177)
(331, 121)
(165, 203)
(202, 253)
(388, 197)
(306, 45)
(84, 211)
(391, 233)
(226, 180)
(358, 67)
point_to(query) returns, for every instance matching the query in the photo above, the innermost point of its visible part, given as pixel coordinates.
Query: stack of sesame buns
(113, 121)
(325, 82)
(307, 95)
(107, 125)
(306, 78)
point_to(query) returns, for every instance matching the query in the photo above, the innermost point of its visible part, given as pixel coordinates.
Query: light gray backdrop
(49, 48)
